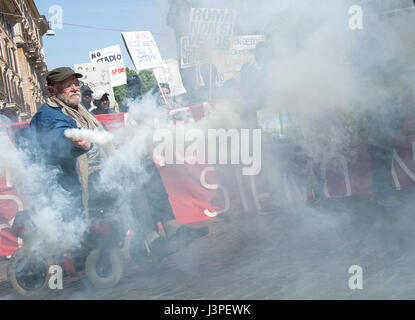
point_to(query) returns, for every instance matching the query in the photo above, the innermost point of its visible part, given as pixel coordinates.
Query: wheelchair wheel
(28, 274)
(104, 268)
(141, 255)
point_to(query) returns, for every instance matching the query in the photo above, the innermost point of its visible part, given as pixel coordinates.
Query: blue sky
(72, 44)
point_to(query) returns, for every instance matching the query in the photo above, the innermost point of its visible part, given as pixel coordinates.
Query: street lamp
(50, 32)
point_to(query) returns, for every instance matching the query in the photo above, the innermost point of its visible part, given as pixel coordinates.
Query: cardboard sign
(170, 74)
(111, 55)
(229, 63)
(142, 49)
(241, 51)
(97, 77)
(191, 55)
(212, 28)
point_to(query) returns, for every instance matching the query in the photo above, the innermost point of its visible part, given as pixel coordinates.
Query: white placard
(191, 55)
(212, 27)
(170, 74)
(97, 77)
(241, 50)
(229, 63)
(111, 55)
(142, 49)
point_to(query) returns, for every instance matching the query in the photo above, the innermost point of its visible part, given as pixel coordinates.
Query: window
(15, 67)
(6, 48)
(7, 80)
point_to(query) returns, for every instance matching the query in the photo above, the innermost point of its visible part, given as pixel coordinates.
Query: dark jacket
(51, 146)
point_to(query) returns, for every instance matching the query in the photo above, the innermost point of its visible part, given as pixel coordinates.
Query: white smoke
(47, 204)
(96, 136)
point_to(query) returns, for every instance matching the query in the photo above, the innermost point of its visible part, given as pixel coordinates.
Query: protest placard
(211, 27)
(242, 50)
(97, 77)
(142, 49)
(169, 73)
(229, 63)
(190, 55)
(111, 55)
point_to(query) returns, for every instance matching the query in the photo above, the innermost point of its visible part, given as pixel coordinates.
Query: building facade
(22, 59)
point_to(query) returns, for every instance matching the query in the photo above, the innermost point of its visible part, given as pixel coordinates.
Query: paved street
(302, 253)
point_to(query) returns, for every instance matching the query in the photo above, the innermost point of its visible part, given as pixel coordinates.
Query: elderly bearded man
(76, 160)
(80, 160)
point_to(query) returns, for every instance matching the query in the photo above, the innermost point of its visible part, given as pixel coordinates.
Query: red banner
(203, 192)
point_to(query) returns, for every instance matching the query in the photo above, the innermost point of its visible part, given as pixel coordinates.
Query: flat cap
(60, 74)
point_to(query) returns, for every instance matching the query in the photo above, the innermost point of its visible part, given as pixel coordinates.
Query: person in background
(166, 101)
(86, 97)
(101, 101)
(134, 92)
(154, 194)
(379, 125)
(164, 98)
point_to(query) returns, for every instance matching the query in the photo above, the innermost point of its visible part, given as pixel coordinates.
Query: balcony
(31, 49)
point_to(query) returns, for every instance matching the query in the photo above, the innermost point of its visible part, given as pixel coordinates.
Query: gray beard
(67, 101)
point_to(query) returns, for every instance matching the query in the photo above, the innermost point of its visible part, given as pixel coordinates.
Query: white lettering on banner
(395, 177)
(241, 190)
(204, 184)
(253, 187)
(255, 194)
(403, 166)
(286, 187)
(8, 177)
(344, 164)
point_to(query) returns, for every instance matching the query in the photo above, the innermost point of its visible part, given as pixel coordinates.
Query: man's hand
(82, 144)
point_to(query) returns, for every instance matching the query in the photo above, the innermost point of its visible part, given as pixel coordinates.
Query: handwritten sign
(229, 63)
(142, 49)
(212, 28)
(111, 55)
(191, 55)
(170, 74)
(97, 77)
